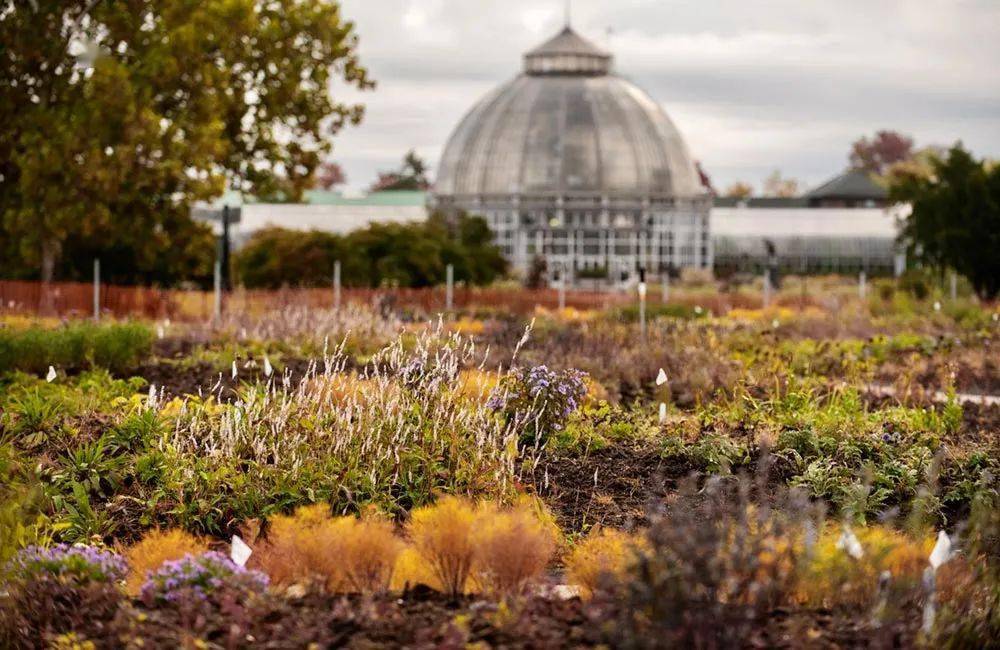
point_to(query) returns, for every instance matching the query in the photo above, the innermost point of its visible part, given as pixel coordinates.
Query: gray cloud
(753, 85)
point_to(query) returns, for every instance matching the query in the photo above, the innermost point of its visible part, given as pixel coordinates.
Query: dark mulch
(424, 619)
(980, 425)
(611, 486)
(823, 628)
(421, 618)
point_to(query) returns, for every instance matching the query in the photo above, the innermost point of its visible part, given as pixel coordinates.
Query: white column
(450, 288)
(336, 285)
(97, 289)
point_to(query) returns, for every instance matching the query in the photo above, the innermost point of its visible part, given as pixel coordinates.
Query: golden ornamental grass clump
(833, 577)
(155, 548)
(513, 547)
(458, 547)
(604, 552)
(442, 535)
(312, 548)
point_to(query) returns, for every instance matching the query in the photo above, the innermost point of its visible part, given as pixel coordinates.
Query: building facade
(576, 165)
(845, 225)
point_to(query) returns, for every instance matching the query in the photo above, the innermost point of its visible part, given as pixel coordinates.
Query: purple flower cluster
(77, 563)
(199, 576)
(539, 399)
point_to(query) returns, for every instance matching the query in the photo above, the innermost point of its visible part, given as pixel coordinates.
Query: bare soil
(611, 486)
(424, 619)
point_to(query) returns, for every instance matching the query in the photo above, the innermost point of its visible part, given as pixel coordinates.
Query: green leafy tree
(468, 245)
(276, 257)
(382, 254)
(183, 97)
(955, 217)
(132, 253)
(411, 176)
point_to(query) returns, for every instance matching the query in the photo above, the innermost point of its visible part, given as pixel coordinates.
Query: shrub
(199, 578)
(604, 554)
(539, 401)
(513, 548)
(718, 560)
(156, 548)
(338, 553)
(117, 347)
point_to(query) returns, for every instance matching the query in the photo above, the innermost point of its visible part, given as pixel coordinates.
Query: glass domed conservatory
(573, 163)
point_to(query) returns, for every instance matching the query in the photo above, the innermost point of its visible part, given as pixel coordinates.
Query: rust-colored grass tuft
(313, 549)
(459, 547)
(513, 549)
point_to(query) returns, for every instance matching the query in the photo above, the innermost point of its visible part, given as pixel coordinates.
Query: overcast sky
(753, 85)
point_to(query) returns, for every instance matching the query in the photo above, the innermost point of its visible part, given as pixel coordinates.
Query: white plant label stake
(663, 412)
(239, 551)
(941, 552)
(51, 376)
(233, 371)
(850, 544)
(939, 555)
(268, 368)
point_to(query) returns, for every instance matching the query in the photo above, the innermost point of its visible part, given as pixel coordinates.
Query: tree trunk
(50, 254)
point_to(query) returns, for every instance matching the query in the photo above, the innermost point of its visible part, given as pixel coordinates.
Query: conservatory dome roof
(567, 125)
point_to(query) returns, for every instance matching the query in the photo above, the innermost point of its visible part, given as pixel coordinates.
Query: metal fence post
(642, 310)
(862, 285)
(450, 287)
(218, 291)
(665, 286)
(767, 288)
(336, 285)
(97, 289)
(954, 286)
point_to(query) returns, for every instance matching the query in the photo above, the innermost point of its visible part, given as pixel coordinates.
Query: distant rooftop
(855, 184)
(761, 202)
(852, 188)
(336, 197)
